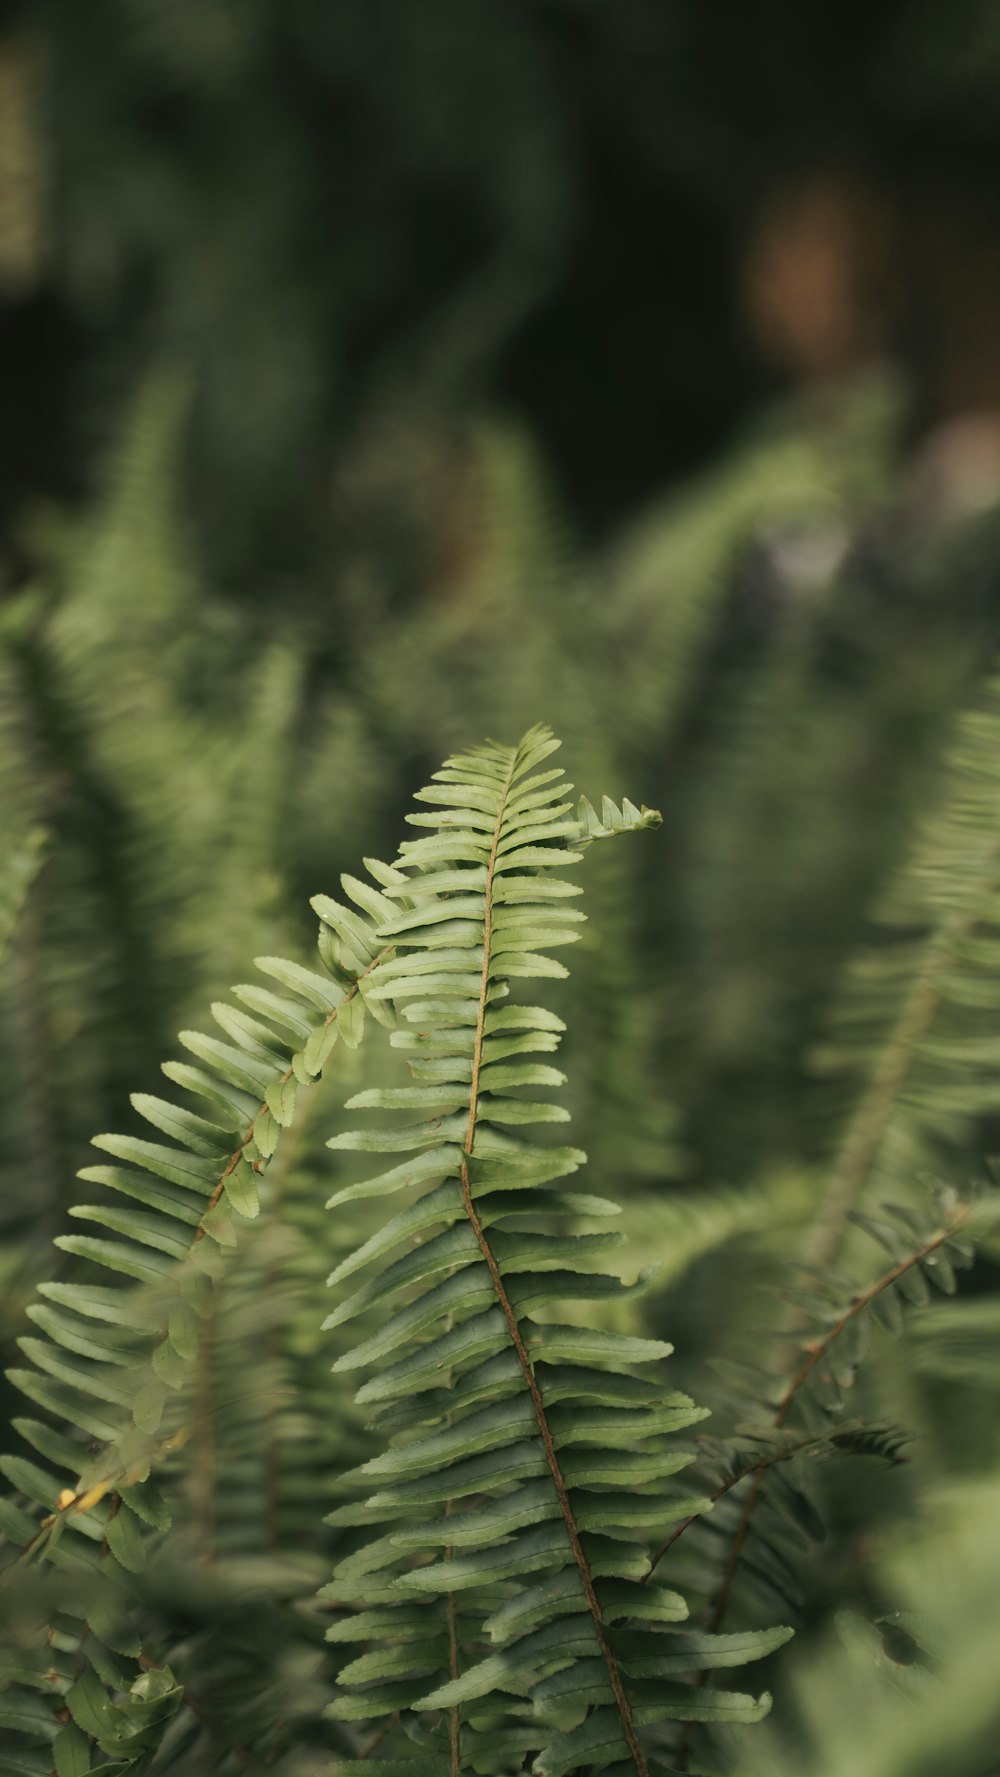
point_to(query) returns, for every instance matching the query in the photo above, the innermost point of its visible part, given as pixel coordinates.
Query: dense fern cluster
(528, 1457)
(438, 938)
(112, 1363)
(762, 1480)
(504, 1596)
(911, 1043)
(914, 1021)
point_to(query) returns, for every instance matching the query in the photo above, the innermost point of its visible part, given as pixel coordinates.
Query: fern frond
(611, 821)
(915, 1022)
(527, 1455)
(796, 1425)
(111, 1361)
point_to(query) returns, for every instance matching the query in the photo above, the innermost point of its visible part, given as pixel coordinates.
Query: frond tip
(612, 821)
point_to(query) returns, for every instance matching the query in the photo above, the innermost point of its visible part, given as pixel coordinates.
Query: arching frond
(111, 1354)
(762, 1480)
(529, 1457)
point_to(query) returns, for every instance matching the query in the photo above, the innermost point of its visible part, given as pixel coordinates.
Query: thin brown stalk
(382, 1734)
(454, 1718)
(720, 1493)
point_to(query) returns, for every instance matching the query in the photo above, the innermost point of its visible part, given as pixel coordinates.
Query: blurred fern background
(379, 377)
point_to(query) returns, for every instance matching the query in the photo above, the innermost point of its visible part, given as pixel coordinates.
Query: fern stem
(378, 1737)
(720, 1493)
(507, 1309)
(454, 1718)
(454, 1721)
(817, 1351)
(721, 1604)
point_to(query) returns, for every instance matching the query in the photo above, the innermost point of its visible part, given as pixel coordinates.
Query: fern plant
(914, 1022)
(797, 1406)
(528, 1458)
(500, 1599)
(913, 1025)
(114, 1350)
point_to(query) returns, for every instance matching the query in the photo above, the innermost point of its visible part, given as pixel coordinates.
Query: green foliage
(751, 1544)
(181, 825)
(20, 869)
(498, 1602)
(436, 948)
(912, 1031)
(914, 1021)
(114, 1366)
(531, 1447)
(914, 1691)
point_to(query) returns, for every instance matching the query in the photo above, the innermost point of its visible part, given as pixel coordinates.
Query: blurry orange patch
(22, 175)
(815, 278)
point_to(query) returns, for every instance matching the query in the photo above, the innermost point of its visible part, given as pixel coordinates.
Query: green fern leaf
(527, 1462)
